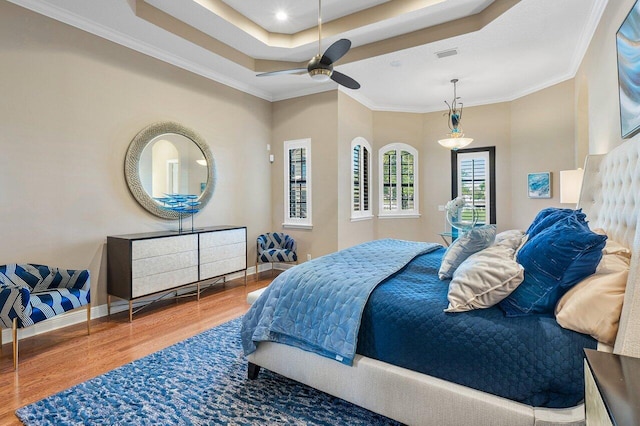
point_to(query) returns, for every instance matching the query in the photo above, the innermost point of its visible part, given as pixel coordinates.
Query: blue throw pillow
(547, 217)
(554, 260)
(464, 246)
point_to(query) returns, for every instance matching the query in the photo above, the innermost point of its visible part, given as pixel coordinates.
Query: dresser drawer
(160, 264)
(162, 246)
(213, 254)
(164, 281)
(222, 238)
(222, 267)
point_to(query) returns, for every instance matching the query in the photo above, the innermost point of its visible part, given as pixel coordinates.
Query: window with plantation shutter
(473, 177)
(297, 182)
(360, 179)
(398, 181)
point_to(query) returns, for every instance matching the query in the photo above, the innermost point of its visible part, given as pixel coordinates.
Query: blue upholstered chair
(275, 247)
(33, 293)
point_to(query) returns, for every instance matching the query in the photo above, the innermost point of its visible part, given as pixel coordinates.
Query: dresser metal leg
(130, 311)
(108, 305)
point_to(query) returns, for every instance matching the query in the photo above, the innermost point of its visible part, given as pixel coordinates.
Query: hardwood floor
(57, 360)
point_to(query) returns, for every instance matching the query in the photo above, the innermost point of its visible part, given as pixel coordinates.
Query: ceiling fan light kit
(320, 67)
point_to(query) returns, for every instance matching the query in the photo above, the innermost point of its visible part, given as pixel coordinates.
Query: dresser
(612, 389)
(141, 265)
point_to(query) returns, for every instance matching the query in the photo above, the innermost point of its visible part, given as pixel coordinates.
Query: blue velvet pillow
(554, 260)
(547, 217)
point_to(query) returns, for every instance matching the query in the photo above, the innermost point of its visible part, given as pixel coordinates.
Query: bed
(610, 198)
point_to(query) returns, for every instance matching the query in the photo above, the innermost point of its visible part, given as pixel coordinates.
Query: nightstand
(612, 389)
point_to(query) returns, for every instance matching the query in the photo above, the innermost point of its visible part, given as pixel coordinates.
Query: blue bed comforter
(528, 359)
(326, 320)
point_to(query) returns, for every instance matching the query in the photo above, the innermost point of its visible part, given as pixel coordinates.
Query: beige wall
(597, 82)
(392, 127)
(71, 104)
(489, 126)
(542, 140)
(314, 117)
(354, 120)
(533, 133)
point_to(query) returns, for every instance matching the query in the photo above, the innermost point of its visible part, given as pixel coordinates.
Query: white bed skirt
(404, 395)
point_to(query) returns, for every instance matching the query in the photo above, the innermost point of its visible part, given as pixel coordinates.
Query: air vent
(445, 53)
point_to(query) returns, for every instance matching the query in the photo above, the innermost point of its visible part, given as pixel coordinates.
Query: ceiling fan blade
(336, 51)
(344, 80)
(289, 71)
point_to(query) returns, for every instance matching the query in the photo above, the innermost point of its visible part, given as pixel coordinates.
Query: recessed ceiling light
(396, 63)
(282, 15)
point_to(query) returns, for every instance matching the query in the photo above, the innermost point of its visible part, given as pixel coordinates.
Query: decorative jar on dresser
(141, 265)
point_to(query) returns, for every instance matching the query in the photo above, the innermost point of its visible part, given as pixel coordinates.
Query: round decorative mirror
(166, 159)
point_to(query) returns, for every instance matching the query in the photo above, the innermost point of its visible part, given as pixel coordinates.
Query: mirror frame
(132, 163)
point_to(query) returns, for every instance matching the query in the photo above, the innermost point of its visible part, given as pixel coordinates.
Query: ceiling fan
(320, 67)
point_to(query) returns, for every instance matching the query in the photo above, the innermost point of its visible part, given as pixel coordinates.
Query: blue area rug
(200, 381)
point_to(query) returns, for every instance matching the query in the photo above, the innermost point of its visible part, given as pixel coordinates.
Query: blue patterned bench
(31, 293)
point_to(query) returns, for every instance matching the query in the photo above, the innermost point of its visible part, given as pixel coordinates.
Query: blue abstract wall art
(627, 42)
(539, 185)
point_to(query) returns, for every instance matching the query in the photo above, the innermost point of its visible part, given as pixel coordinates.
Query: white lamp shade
(570, 185)
(455, 143)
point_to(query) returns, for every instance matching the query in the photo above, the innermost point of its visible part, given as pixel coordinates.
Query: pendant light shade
(455, 139)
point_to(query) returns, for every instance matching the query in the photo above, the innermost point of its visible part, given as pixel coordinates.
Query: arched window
(398, 177)
(360, 179)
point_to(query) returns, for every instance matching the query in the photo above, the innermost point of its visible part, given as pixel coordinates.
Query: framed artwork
(539, 185)
(627, 40)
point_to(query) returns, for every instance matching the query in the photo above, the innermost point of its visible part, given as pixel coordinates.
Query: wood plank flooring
(57, 360)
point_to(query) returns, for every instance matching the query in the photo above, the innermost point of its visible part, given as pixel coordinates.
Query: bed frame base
(403, 395)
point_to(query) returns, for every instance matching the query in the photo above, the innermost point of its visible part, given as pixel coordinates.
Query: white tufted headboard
(610, 197)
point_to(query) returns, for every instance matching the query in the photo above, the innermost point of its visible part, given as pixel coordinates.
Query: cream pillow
(511, 238)
(484, 279)
(593, 306)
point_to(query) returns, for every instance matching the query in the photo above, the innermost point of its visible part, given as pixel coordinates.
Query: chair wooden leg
(89, 318)
(15, 343)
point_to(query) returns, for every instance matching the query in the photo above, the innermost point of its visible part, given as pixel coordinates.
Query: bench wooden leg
(15, 343)
(89, 318)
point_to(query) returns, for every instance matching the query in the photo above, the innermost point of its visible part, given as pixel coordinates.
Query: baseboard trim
(80, 315)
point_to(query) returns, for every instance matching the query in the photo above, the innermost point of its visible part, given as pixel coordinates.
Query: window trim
(398, 213)
(492, 176)
(293, 222)
(357, 215)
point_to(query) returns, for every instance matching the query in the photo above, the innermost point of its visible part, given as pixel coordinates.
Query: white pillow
(464, 246)
(484, 279)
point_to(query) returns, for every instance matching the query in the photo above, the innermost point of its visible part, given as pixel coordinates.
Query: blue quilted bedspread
(528, 359)
(326, 320)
